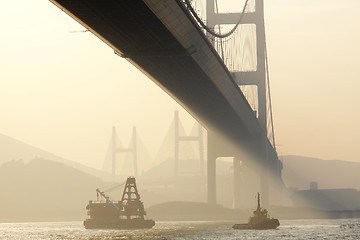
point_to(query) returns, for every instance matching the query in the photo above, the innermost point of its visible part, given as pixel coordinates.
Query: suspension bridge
(213, 64)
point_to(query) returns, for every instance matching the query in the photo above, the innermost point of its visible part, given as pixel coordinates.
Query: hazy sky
(62, 91)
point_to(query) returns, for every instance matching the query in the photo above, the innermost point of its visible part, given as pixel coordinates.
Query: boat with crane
(129, 213)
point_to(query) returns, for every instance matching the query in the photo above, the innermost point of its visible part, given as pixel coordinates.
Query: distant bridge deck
(162, 40)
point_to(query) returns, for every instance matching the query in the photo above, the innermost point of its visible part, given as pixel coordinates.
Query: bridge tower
(179, 139)
(115, 150)
(257, 78)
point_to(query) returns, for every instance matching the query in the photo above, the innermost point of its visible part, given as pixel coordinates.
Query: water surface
(289, 229)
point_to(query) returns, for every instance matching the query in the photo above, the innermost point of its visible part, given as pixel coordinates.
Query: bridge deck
(160, 38)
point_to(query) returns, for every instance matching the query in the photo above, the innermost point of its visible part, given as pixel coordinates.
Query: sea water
(289, 229)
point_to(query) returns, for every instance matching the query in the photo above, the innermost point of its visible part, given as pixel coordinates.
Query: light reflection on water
(290, 229)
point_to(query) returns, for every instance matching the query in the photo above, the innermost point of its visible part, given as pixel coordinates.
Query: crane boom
(107, 199)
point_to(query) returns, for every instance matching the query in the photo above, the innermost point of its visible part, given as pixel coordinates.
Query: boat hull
(118, 224)
(268, 224)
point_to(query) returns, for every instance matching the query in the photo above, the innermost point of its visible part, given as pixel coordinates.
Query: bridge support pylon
(132, 149)
(212, 155)
(179, 138)
(256, 77)
(217, 147)
(237, 182)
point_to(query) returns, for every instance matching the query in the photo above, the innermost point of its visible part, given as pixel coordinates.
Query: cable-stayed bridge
(178, 145)
(184, 51)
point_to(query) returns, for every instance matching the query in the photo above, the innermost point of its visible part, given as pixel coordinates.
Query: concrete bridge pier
(237, 182)
(219, 147)
(264, 177)
(212, 155)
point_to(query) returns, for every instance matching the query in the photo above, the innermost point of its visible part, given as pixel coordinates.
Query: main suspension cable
(203, 25)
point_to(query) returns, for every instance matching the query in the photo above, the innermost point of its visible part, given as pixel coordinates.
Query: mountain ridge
(299, 171)
(14, 149)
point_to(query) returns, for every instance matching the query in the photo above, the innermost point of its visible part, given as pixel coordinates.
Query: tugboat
(260, 220)
(125, 214)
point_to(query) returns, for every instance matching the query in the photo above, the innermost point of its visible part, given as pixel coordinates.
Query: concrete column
(135, 152)
(237, 182)
(113, 152)
(201, 150)
(264, 169)
(210, 12)
(211, 168)
(176, 157)
(260, 38)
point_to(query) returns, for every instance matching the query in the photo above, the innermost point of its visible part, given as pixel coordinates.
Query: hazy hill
(195, 211)
(43, 190)
(187, 167)
(12, 149)
(299, 171)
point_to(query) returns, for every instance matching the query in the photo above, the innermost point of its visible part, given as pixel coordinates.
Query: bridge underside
(191, 72)
(135, 32)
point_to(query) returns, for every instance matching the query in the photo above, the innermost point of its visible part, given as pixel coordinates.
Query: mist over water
(291, 229)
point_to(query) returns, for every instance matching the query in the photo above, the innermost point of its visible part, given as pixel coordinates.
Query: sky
(62, 90)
